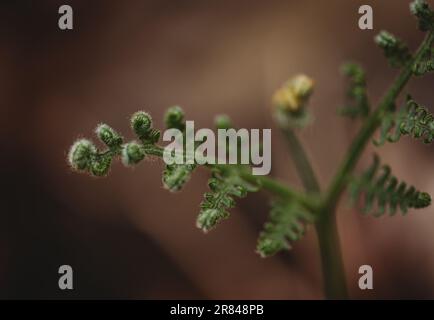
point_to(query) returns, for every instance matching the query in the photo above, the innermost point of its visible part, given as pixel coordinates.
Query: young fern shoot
(292, 210)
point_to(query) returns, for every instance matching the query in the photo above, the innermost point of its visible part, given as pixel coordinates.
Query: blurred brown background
(125, 236)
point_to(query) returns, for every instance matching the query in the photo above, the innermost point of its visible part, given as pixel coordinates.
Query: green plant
(292, 211)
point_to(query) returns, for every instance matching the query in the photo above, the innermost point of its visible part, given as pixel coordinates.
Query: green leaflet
(176, 175)
(357, 104)
(382, 192)
(287, 224)
(224, 184)
(389, 129)
(100, 165)
(413, 119)
(426, 65)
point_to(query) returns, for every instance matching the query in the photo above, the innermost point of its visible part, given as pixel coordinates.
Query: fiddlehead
(141, 123)
(175, 176)
(226, 183)
(84, 156)
(381, 191)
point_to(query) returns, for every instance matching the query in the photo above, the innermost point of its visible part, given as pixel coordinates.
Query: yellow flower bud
(294, 94)
(303, 86)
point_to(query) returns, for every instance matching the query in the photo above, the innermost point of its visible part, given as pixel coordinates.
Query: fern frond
(224, 185)
(287, 224)
(382, 192)
(413, 119)
(84, 156)
(176, 175)
(390, 127)
(358, 104)
(426, 65)
(419, 122)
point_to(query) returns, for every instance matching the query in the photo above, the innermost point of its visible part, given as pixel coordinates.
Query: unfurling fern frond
(174, 118)
(141, 123)
(224, 185)
(382, 192)
(287, 224)
(358, 104)
(175, 176)
(84, 156)
(413, 119)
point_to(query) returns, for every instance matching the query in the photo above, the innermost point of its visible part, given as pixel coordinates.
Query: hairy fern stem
(269, 184)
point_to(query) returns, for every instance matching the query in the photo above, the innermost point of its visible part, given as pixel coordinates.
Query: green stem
(301, 161)
(331, 258)
(326, 227)
(332, 264)
(281, 190)
(371, 124)
(268, 184)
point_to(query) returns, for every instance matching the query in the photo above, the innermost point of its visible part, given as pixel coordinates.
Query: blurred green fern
(382, 192)
(358, 104)
(287, 224)
(413, 120)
